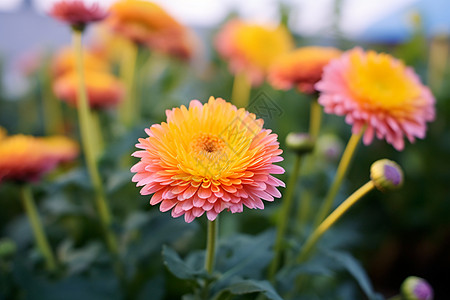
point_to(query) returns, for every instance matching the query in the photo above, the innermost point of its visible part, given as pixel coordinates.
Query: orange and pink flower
(103, 89)
(148, 24)
(26, 158)
(377, 92)
(77, 13)
(301, 68)
(252, 48)
(206, 159)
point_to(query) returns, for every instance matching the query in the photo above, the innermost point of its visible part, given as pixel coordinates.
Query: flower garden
(148, 162)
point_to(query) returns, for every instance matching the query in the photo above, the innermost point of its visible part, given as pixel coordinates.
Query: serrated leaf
(178, 267)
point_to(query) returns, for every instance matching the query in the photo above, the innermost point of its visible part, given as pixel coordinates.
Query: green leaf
(179, 268)
(243, 255)
(356, 270)
(248, 287)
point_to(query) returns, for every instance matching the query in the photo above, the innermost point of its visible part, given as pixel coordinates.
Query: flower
(24, 158)
(416, 288)
(77, 13)
(379, 92)
(301, 68)
(252, 48)
(103, 89)
(27, 158)
(64, 61)
(386, 175)
(148, 24)
(208, 158)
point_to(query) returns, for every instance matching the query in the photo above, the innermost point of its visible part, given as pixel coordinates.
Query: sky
(307, 17)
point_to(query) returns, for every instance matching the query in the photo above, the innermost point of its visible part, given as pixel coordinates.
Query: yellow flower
(252, 48)
(208, 158)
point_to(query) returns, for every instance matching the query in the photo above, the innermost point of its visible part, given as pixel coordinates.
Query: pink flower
(377, 91)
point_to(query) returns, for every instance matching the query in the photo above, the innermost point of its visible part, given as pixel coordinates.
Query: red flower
(77, 13)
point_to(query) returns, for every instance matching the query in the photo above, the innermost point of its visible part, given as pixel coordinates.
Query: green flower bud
(386, 175)
(300, 143)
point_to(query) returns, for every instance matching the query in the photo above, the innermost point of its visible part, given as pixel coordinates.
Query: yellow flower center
(380, 82)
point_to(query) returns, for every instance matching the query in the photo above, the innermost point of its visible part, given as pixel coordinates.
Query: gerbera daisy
(146, 23)
(24, 158)
(208, 158)
(103, 89)
(62, 148)
(252, 48)
(301, 68)
(377, 91)
(77, 13)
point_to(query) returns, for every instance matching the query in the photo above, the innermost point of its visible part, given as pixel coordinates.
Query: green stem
(84, 116)
(284, 217)
(340, 174)
(36, 225)
(97, 132)
(240, 94)
(211, 245)
(315, 119)
(331, 219)
(130, 106)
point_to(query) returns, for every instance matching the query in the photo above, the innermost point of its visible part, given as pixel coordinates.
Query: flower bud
(330, 147)
(416, 288)
(386, 175)
(300, 143)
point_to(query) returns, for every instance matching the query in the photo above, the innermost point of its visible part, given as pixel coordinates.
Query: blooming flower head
(378, 92)
(24, 158)
(207, 158)
(27, 158)
(64, 61)
(77, 13)
(301, 68)
(252, 48)
(103, 89)
(148, 24)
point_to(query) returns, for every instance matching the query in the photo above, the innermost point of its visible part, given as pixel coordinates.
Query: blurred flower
(416, 288)
(27, 158)
(3, 133)
(24, 158)
(377, 91)
(208, 158)
(62, 148)
(330, 147)
(64, 62)
(103, 89)
(148, 24)
(77, 13)
(386, 175)
(301, 68)
(252, 48)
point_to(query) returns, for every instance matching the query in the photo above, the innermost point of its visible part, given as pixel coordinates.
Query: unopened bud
(300, 143)
(416, 288)
(386, 175)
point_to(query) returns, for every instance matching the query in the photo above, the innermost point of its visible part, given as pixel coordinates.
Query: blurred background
(395, 235)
